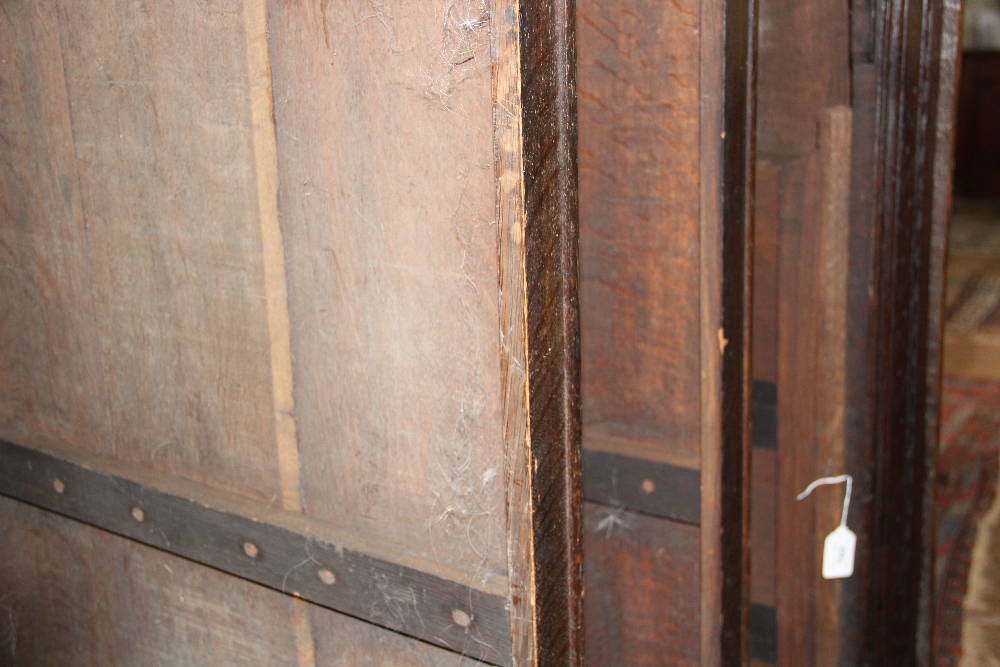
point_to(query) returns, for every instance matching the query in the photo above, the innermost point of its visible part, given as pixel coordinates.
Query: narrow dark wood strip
(659, 489)
(763, 634)
(548, 96)
(414, 602)
(914, 126)
(765, 414)
(738, 167)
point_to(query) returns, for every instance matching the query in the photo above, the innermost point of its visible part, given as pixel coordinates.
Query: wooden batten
(276, 548)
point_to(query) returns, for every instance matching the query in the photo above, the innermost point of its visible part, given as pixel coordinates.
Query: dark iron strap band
(253, 545)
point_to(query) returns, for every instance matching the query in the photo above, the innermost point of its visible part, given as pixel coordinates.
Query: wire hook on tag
(832, 480)
(839, 546)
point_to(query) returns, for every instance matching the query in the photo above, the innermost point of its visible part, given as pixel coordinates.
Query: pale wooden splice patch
(276, 294)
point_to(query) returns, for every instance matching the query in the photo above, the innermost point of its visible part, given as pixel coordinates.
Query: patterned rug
(967, 483)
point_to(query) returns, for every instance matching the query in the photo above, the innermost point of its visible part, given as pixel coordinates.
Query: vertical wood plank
(387, 202)
(160, 107)
(642, 595)
(831, 365)
(549, 126)
(51, 366)
(712, 337)
(640, 112)
(798, 332)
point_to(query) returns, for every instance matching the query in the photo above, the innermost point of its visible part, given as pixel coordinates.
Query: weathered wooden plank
(342, 640)
(385, 148)
(51, 369)
(798, 332)
(74, 595)
(160, 102)
(279, 549)
(642, 590)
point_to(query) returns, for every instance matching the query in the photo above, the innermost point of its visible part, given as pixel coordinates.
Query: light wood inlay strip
(276, 293)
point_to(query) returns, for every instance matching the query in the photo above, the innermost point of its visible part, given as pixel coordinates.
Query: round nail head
(327, 577)
(461, 618)
(138, 514)
(648, 486)
(250, 549)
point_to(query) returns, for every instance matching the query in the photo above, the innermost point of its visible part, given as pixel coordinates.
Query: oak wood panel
(639, 220)
(916, 56)
(804, 67)
(643, 585)
(387, 198)
(159, 98)
(51, 367)
(75, 595)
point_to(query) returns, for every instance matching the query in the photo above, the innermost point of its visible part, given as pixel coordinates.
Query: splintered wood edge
(509, 173)
(282, 550)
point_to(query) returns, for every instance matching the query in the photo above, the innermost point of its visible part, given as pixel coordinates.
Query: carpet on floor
(967, 472)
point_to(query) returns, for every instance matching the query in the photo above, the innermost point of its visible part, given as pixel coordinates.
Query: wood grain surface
(642, 589)
(385, 153)
(158, 348)
(161, 127)
(51, 365)
(549, 110)
(639, 226)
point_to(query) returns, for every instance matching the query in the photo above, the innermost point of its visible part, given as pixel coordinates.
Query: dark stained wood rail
(548, 96)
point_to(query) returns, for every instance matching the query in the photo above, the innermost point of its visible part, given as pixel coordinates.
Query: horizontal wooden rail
(282, 550)
(659, 489)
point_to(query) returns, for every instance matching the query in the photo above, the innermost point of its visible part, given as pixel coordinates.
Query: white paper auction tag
(839, 546)
(838, 553)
